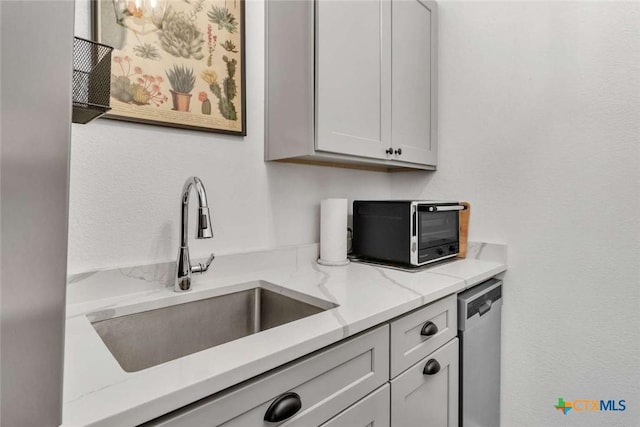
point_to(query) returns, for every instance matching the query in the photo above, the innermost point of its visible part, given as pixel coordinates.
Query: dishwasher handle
(484, 308)
(479, 302)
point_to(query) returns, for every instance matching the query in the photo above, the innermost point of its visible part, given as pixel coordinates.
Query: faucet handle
(200, 267)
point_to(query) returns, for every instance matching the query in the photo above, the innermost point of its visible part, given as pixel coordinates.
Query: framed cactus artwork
(176, 63)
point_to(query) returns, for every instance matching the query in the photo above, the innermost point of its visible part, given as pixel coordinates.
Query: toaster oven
(406, 232)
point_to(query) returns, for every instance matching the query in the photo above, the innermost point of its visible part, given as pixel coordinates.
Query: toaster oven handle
(446, 208)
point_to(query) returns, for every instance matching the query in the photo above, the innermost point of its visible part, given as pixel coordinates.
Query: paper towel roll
(333, 232)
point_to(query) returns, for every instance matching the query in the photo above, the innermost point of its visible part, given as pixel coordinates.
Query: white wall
(540, 130)
(126, 181)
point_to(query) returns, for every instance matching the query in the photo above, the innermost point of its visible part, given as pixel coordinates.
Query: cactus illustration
(206, 104)
(212, 41)
(224, 19)
(133, 86)
(181, 78)
(182, 81)
(180, 36)
(147, 51)
(227, 92)
(206, 107)
(229, 46)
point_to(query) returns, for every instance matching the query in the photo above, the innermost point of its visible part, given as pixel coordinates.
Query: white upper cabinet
(413, 96)
(353, 76)
(352, 83)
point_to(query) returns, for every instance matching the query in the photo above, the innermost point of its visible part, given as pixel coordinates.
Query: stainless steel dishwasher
(479, 313)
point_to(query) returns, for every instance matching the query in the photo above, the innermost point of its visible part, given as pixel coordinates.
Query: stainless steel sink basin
(149, 338)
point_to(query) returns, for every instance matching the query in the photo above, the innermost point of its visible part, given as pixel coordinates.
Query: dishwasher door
(479, 313)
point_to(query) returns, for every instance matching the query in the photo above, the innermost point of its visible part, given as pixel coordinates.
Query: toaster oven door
(436, 232)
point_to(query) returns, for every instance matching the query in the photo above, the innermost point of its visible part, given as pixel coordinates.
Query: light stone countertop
(98, 392)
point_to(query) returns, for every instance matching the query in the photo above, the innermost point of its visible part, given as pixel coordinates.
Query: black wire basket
(91, 80)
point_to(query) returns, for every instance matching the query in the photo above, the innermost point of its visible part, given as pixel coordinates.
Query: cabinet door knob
(431, 368)
(399, 151)
(389, 151)
(283, 407)
(429, 329)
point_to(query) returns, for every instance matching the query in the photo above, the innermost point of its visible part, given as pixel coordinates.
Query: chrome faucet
(203, 231)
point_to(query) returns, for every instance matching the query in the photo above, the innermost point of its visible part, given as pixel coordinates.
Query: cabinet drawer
(373, 410)
(409, 343)
(327, 383)
(430, 398)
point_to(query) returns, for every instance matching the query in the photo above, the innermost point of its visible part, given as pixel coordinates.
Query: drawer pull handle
(431, 368)
(285, 406)
(429, 329)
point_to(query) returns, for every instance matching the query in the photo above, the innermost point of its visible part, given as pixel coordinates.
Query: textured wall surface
(126, 181)
(540, 131)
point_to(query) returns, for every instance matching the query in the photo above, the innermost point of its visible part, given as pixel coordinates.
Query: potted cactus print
(178, 63)
(182, 81)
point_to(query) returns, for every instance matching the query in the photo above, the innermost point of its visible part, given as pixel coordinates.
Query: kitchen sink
(144, 339)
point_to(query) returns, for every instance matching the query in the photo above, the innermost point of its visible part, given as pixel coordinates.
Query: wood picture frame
(177, 63)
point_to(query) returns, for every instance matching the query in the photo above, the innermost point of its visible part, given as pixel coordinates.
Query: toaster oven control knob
(452, 248)
(440, 251)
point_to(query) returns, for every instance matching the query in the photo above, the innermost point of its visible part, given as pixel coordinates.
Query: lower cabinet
(372, 411)
(403, 373)
(427, 393)
(421, 332)
(305, 393)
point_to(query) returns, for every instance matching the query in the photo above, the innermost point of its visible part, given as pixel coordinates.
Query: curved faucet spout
(196, 182)
(203, 231)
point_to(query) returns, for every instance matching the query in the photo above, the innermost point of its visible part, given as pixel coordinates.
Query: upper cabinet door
(413, 96)
(353, 77)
